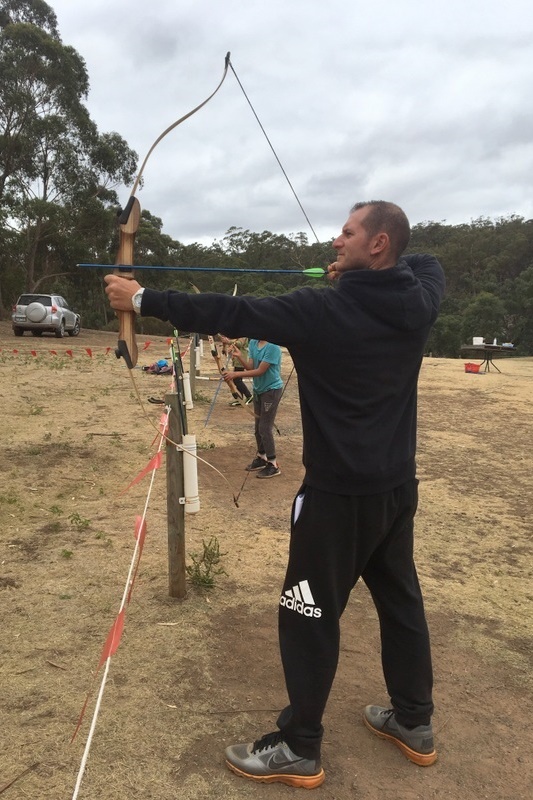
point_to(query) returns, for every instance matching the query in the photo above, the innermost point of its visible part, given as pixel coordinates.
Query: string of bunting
(88, 351)
(114, 636)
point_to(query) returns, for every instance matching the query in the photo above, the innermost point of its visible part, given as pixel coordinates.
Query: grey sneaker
(270, 760)
(270, 471)
(257, 463)
(416, 744)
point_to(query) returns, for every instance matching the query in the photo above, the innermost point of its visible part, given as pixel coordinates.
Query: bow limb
(178, 122)
(128, 224)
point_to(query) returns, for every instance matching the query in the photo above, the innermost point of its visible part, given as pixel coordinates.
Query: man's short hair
(384, 217)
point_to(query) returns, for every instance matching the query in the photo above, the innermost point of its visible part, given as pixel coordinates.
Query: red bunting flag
(53, 352)
(69, 353)
(140, 532)
(89, 352)
(147, 345)
(34, 353)
(110, 648)
(108, 350)
(163, 425)
(154, 463)
(15, 352)
(113, 638)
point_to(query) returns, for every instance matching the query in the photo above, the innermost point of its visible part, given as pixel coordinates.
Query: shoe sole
(298, 781)
(421, 759)
(274, 475)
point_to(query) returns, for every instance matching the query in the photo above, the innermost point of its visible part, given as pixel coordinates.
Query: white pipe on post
(187, 390)
(190, 474)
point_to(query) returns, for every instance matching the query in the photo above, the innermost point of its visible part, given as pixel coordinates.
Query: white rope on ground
(127, 587)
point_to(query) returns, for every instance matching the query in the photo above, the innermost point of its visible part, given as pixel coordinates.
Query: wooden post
(175, 508)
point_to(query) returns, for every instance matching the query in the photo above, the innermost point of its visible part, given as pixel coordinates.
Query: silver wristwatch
(136, 300)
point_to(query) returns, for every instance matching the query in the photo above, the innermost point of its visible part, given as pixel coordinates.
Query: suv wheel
(60, 332)
(75, 330)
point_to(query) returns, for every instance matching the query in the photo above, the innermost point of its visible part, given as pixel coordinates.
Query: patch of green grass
(78, 521)
(67, 554)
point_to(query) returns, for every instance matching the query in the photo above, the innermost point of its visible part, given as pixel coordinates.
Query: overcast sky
(424, 102)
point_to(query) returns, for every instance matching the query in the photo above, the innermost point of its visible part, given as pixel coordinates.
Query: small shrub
(205, 567)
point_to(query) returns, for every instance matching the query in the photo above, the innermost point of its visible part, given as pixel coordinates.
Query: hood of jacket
(395, 296)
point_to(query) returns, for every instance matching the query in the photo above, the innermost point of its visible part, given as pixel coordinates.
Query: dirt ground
(192, 676)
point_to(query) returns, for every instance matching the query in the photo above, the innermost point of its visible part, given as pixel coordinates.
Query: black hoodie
(357, 348)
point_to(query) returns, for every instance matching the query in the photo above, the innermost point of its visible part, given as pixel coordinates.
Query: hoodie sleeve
(282, 320)
(430, 275)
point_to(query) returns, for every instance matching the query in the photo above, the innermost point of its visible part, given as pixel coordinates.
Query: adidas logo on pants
(301, 600)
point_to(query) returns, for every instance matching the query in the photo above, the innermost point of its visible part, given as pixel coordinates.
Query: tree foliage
(56, 169)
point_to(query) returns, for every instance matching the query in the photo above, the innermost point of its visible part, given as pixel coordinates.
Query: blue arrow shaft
(198, 269)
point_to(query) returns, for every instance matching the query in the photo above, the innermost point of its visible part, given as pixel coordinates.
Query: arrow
(310, 272)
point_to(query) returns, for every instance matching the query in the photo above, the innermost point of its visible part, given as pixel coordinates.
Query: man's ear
(380, 243)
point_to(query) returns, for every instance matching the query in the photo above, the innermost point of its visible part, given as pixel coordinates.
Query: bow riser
(129, 223)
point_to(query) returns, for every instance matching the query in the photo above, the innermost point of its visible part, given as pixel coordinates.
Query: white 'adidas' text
(301, 600)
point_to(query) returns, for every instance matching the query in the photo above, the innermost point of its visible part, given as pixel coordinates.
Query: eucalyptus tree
(56, 170)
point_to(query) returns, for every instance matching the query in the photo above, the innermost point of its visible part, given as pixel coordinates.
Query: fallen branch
(10, 783)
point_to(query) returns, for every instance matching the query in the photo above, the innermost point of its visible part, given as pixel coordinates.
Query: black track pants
(335, 540)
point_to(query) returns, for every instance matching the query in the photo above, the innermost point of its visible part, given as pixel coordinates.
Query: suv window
(26, 299)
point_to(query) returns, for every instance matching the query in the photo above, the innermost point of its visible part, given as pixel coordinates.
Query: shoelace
(266, 741)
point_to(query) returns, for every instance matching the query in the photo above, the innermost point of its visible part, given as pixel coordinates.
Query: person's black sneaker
(249, 399)
(234, 403)
(270, 760)
(257, 463)
(415, 743)
(270, 471)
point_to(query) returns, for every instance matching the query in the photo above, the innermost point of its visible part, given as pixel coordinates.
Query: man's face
(353, 246)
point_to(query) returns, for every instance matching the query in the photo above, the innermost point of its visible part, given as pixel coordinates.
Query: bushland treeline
(59, 177)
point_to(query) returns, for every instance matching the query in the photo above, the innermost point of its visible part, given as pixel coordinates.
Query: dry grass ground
(192, 676)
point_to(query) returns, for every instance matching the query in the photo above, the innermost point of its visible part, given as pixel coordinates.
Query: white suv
(44, 312)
